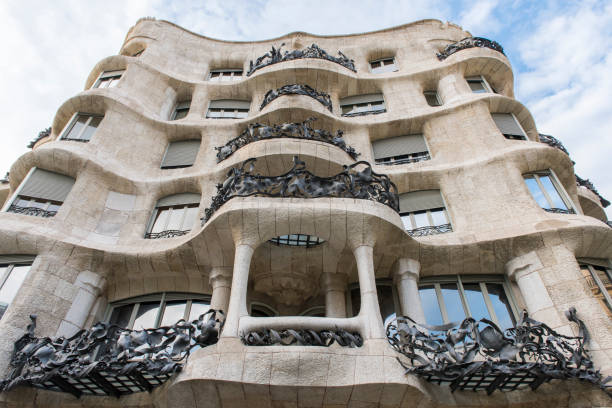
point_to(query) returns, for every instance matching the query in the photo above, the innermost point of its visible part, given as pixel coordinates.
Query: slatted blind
(367, 98)
(420, 200)
(179, 199)
(10, 259)
(47, 185)
(399, 145)
(507, 124)
(229, 104)
(182, 153)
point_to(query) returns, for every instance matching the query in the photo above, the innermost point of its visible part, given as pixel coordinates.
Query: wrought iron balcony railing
(35, 211)
(553, 142)
(404, 159)
(166, 234)
(560, 210)
(430, 230)
(107, 359)
(287, 337)
(297, 89)
(274, 56)
(364, 113)
(470, 42)
(588, 184)
(478, 355)
(300, 183)
(256, 131)
(41, 135)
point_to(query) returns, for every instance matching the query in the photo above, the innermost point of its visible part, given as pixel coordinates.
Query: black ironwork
(297, 89)
(404, 159)
(35, 211)
(303, 337)
(274, 56)
(364, 113)
(588, 184)
(469, 42)
(107, 359)
(70, 139)
(302, 130)
(41, 135)
(526, 355)
(553, 142)
(301, 240)
(430, 230)
(560, 210)
(301, 183)
(166, 234)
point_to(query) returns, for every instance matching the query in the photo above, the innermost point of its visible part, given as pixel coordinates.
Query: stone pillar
(451, 87)
(370, 311)
(89, 287)
(406, 276)
(220, 281)
(334, 285)
(240, 279)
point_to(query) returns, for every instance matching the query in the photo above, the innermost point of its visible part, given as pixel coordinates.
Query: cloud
(479, 17)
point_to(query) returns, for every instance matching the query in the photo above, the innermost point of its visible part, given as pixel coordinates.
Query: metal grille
(165, 234)
(35, 211)
(301, 240)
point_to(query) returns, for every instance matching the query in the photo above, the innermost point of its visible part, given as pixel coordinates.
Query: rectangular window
(41, 194)
(599, 280)
(383, 65)
(548, 193)
(424, 213)
(228, 109)
(400, 150)
(432, 98)
(363, 105)
(13, 270)
(82, 127)
(181, 110)
(108, 79)
(180, 154)
(478, 84)
(509, 126)
(221, 75)
(174, 216)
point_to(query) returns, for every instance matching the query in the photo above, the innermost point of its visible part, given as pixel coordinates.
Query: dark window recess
(300, 240)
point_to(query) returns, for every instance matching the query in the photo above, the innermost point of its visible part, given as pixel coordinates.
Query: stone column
(89, 287)
(451, 87)
(370, 311)
(334, 285)
(406, 276)
(221, 281)
(240, 279)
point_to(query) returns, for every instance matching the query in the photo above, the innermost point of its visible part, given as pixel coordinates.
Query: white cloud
(479, 17)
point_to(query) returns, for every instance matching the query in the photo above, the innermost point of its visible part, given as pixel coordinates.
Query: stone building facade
(394, 175)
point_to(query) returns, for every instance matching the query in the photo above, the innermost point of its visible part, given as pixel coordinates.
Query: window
(180, 154)
(548, 193)
(453, 298)
(180, 110)
(363, 105)
(153, 311)
(13, 270)
(220, 75)
(301, 240)
(383, 65)
(478, 84)
(138, 53)
(228, 109)
(599, 279)
(261, 310)
(174, 216)
(388, 301)
(316, 311)
(509, 126)
(400, 150)
(41, 194)
(108, 79)
(82, 127)
(432, 98)
(424, 213)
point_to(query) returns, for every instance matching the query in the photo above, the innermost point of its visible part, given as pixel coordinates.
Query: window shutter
(182, 153)
(368, 98)
(179, 199)
(400, 145)
(11, 259)
(229, 104)
(420, 200)
(47, 185)
(507, 124)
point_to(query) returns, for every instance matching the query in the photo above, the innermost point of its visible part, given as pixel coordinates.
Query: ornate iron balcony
(414, 158)
(287, 337)
(107, 359)
(35, 211)
(41, 135)
(274, 56)
(470, 42)
(526, 355)
(364, 113)
(560, 210)
(257, 131)
(553, 142)
(166, 234)
(297, 89)
(430, 230)
(300, 183)
(588, 184)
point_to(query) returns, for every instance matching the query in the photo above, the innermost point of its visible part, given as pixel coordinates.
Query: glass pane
(421, 219)
(53, 207)
(78, 126)
(159, 224)
(176, 218)
(113, 82)
(91, 128)
(452, 301)
(22, 202)
(501, 304)
(361, 107)
(438, 216)
(199, 307)
(380, 105)
(173, 312)
(432, 99)
(475, 301)
(121, 315)
(407, 222)
(430, 304)
(355, 301)
(214, 113)
(146, 315)
(180, 113)
(347, 109)
(261, 311)
(552, 192)
(12, 283)
(535, 191)
(376, 64)
(241, 113)
(477, 86)
(385, 303)
(190, 218)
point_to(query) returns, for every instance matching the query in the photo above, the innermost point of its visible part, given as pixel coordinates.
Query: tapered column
(334, 285)
(221, 281)
(370, 311)
(237, 301)
(406, 277)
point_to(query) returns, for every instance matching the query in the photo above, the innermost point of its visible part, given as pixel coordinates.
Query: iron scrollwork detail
(588, 184)
(108, 359)
(35, 211)
(469, 42)
(304, 337)
(166, 234)
(303, 130)
(297, 89)
(430, 230)
(41, 135)
(553, 142)
(528, 354)
(301, 183)
(555, 210)
(274, 56)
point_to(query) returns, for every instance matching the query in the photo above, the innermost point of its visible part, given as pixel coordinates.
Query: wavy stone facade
(92, 255)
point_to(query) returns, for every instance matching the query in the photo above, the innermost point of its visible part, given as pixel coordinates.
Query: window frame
(508, 136)
(180, 106)
(232, 75)
(223, 111)
(435, 95)
(598, 282)
(368, 111)
(429, 217)
(110, 77)
(397, 307)
(483, 80)
(571, 208)
(373, 70)
(312, 311)
(262, 306)
(10, 266)
(172, 208)
(287, 240)
(72, 122)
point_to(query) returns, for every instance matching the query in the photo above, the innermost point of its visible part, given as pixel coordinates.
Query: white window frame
(72, 122)
(223, 111)
(434, 94)
(482, 79)
(172, 208)
(600, 285)
(110, 77)
(429, 218)
(381, 61)
(365, 112)
(7, 273)
(519, 125)
(556, 184)
(180, 106)
(233, 75)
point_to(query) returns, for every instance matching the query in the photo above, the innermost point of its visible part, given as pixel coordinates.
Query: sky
(561, 53)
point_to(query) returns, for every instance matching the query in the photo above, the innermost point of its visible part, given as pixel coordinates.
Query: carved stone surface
(560, 210)
(300, 183)
(274, 56)
(35, 211)
(287, 337)
(107, 359)
(526, 355)
(290, 289)
(257, 131)
(470, 42)
(41, 135)
(430, 230)
(554, 142)
(297, 89)
(588, 184)
(165, 234)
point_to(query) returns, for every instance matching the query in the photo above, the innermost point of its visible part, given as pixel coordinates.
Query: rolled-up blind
(420, 200)
(507, 124)
(15, 259)
(400, 145)
(367, 98)
(229, 104)
(48, 185)
(179, 199)
(182, 153)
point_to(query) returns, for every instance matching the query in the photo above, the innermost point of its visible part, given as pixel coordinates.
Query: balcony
(166, 234)
(470, 42)
(34, 211)
(297, 89)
